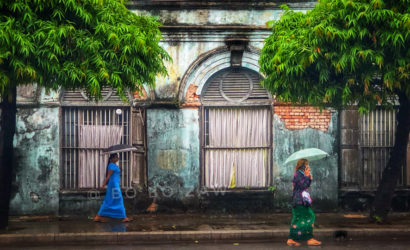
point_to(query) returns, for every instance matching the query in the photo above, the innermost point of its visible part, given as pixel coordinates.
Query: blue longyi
(113, 204)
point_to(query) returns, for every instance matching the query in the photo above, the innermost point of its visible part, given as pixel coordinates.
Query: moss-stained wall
(214, 16)
(36, 184)
(324, 188)
(174, 167)
(185, 42)
(173, 155)
(183, 55)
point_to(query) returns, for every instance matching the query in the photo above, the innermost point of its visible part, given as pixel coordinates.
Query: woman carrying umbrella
(303, 218)
(113, 204)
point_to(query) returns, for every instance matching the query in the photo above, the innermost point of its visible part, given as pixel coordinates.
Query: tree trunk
(385, 191)
(7, 130)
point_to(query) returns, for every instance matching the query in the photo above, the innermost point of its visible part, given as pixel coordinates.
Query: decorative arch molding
(211, 62)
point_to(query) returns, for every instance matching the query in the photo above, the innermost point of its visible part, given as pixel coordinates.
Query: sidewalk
(194, 227)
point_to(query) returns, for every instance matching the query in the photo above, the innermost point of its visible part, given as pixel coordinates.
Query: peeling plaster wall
(173, 155)
(174, 167)
(186, 45)
(183, 55)
(36, 184)
(324, 188)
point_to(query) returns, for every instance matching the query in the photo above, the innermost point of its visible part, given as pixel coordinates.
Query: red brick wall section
(140, 96)
(191, 98)
(300, 117)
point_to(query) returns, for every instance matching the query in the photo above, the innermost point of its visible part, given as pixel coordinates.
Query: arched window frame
(246, 102)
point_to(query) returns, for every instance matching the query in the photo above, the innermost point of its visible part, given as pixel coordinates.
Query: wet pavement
(332, 245)
(194, 222)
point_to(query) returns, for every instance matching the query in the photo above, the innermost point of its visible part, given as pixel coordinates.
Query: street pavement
(330, 245)
(192, 227)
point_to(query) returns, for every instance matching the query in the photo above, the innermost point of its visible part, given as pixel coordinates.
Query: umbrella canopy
(119, 148)
(310, 154)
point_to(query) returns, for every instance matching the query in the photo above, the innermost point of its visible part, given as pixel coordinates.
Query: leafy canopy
(342, 52)
(86, 44)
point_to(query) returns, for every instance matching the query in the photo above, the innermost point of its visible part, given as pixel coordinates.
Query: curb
(187, 236)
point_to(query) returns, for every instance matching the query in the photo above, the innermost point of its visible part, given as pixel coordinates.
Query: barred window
(377, 137)
(86, 131)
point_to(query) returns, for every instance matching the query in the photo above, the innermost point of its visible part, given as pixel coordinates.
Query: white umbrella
(310, 154)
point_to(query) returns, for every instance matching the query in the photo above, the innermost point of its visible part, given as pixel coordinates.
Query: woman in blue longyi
(113, 204)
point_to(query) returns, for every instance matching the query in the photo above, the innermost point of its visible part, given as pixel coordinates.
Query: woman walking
(113, 204)
(303, 218)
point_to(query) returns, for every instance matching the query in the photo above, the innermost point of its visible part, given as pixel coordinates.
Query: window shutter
(79, 97)
(138, 127)
(138, 141)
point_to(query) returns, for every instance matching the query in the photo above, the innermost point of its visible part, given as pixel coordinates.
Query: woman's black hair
(109, 160)
(112, 157)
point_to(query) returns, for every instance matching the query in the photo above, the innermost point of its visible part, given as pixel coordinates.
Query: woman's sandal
(98, 218)
(126, 219)
(313, 242)
(293, 243)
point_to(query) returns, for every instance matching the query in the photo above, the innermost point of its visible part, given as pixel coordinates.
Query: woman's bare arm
(107, 178)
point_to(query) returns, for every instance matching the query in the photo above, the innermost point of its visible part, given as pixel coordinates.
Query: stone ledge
(229, 4)
(177, 236)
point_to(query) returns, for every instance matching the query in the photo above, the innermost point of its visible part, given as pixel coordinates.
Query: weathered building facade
(208, 136)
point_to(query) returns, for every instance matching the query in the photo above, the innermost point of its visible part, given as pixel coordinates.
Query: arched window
(236, 131)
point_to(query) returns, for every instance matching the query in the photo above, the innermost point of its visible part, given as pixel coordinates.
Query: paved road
(333, 245)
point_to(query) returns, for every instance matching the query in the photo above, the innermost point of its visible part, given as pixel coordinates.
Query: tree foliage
(340, 53)
(85, 44)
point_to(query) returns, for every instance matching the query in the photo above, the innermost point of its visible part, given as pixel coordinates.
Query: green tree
(341, 53)
(86, 44)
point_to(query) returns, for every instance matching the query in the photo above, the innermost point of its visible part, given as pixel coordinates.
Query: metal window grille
(252, 143)
(377, 137)
(72, 119)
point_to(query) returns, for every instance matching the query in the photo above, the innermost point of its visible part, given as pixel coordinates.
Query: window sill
(85, 191)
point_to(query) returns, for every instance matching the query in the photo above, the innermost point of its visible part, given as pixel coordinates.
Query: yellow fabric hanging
(232, 182)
